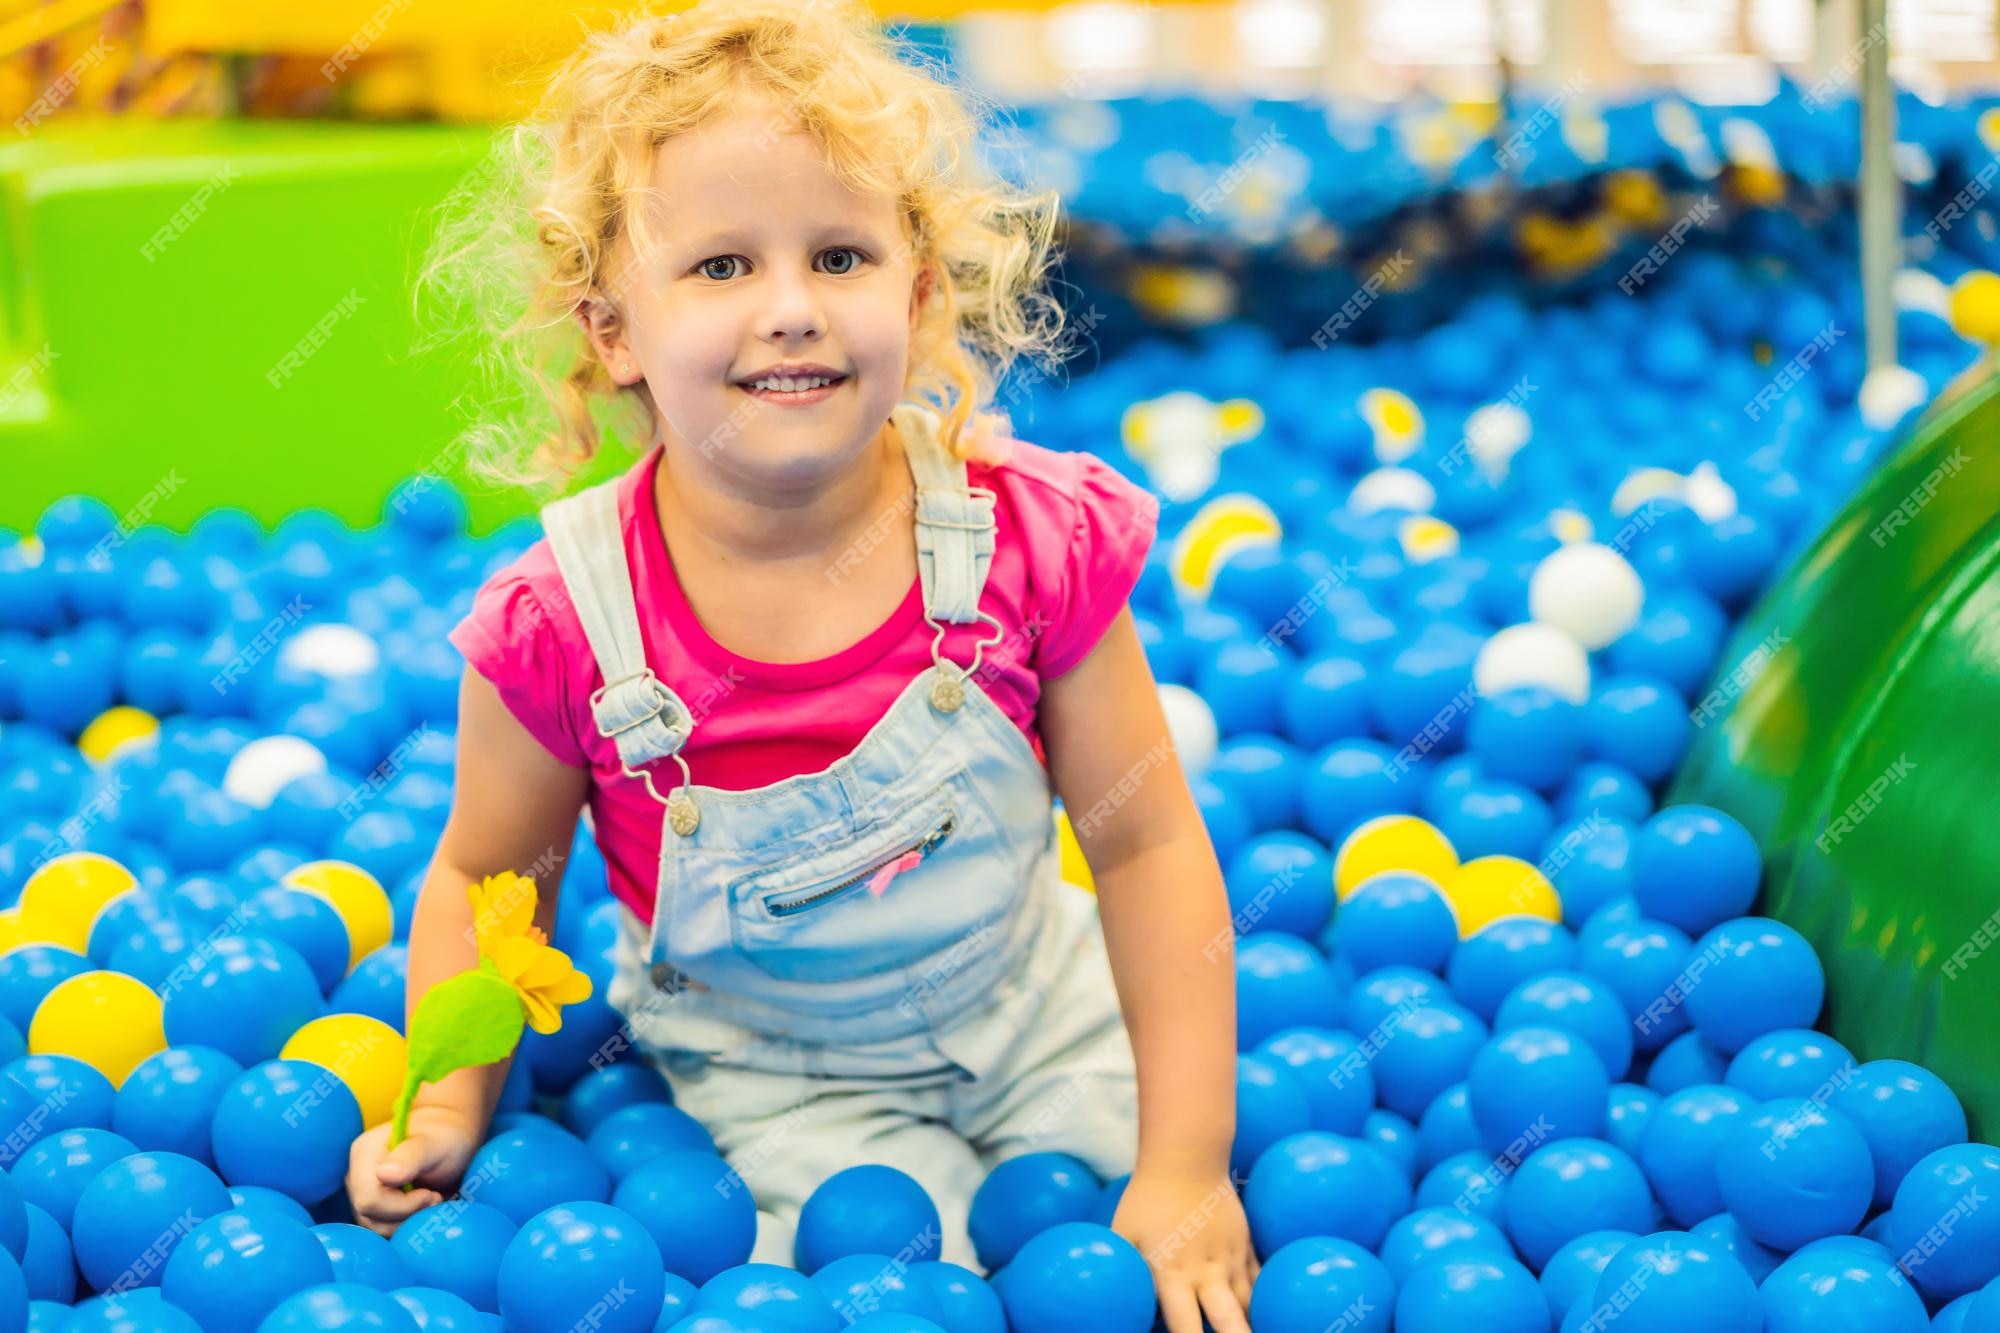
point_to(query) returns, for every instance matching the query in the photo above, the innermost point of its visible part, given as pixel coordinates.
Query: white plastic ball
(1645, 485)
(260, 770)
(1889, 393)
(1588, 591)
(1523, 656)
(1392, 488)
(331, 650)
(1191, 726)
(1495, 433)
(1711, 498)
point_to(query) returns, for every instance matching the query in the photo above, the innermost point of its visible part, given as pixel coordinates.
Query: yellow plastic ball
(62, 901)
(363, 1052)
(106, 1019)
(355, 896)
(1493, 888)
(1975, 307)
(1074, 868)
(1392, 842)
(114, 729)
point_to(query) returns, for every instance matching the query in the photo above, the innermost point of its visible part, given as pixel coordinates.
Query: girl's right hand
(432, 1160)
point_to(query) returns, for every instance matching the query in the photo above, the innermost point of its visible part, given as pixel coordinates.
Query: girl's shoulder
(1083, 531)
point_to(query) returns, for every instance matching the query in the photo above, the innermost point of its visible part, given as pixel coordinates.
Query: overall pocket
(883, 901)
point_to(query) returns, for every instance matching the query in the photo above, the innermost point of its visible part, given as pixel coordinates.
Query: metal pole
(1881, 201)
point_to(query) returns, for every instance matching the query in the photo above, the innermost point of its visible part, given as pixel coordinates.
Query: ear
(920, 291)
(605, 329)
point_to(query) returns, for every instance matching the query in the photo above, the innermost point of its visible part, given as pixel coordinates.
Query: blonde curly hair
(530, 235)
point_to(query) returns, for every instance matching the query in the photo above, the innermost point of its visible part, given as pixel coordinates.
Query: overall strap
(955, 527)
(636, 709)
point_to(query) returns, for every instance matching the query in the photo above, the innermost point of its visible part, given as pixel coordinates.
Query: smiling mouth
(793, 390)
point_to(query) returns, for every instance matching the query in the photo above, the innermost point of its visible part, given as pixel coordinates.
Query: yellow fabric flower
(542, 976)
(503, 907)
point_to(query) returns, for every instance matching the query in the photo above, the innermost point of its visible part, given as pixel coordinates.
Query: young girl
(819, 659)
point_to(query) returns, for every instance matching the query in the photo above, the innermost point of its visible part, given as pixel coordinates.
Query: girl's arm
(514, 807)
(1167, 929)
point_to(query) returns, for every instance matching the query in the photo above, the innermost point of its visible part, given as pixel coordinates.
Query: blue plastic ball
(1374, 1002)
(339, 1306)
(1685, 1061)
(639, 1132)
(1645, 962)
(858, 1285)
(361, 1256)
(436, 1311)
(133, 1214)
(581, 1260)
(1627, 1114)
(1316, 1282)
(1641, 725)
(1429, 1048)
(1937, 1199)
(1338, 1085)
(1536, 1081)
(1761, 975)
(1607, 791)
(611, 1088)
(701, 1214)
(1281, 982)
(53, 1172)
(49, 1265)
(1079, 1276)
(1490, 965)
(245, 996)
(1571, 1272)
(1575, 1003)
(260, 1198)
(1429, 1234)
(1791, 1062)
(1570, 1188)
(237, 1267)
(1821, 1287)
(1281, 882)
(1351, 782)
(1904, 1111)
(282, 1124)
(1670, 1281)
(771, 1294)
(969, 1302)
(28, 974)
(305, 921)
(527, 1171)
(167, 1103)
(1680, 1146)
(1528, 736)
(1025, 1195)
(1316, 1184)
(378, 987)
(1489, 1292)
(1695, 867)
(1494, 818)
(64, 1093)
(1725, 1234)
(456, 1246)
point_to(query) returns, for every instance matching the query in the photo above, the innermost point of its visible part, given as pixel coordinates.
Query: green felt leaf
(474, 1018)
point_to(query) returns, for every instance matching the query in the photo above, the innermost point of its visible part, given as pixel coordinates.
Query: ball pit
(1507, 1003)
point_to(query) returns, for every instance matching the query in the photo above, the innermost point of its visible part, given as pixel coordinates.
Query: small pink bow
(907, 861)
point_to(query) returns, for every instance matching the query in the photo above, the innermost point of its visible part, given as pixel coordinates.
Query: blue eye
(708, 265)
(854, 257)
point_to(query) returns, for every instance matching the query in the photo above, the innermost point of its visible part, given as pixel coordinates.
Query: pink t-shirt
(1072, 537)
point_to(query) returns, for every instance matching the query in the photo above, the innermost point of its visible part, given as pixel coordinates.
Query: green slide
(1857, 748)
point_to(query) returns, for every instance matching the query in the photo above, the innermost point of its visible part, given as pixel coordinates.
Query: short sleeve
(511, 639)
(1109, 538)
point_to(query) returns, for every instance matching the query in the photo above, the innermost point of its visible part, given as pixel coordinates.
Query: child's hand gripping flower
(474, 1018)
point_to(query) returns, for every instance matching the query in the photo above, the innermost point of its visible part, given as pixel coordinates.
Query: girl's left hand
(1194, 1236)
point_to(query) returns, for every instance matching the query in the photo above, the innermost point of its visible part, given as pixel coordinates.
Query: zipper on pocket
(923, 847)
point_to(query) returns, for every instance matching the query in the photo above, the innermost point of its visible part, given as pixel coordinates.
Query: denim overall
(887, 932)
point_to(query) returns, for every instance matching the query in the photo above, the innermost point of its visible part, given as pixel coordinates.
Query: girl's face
(764, 260)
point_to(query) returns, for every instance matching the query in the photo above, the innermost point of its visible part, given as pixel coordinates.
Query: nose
(792, 309)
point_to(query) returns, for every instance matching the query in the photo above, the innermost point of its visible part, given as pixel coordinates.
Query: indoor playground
(1575, 603)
